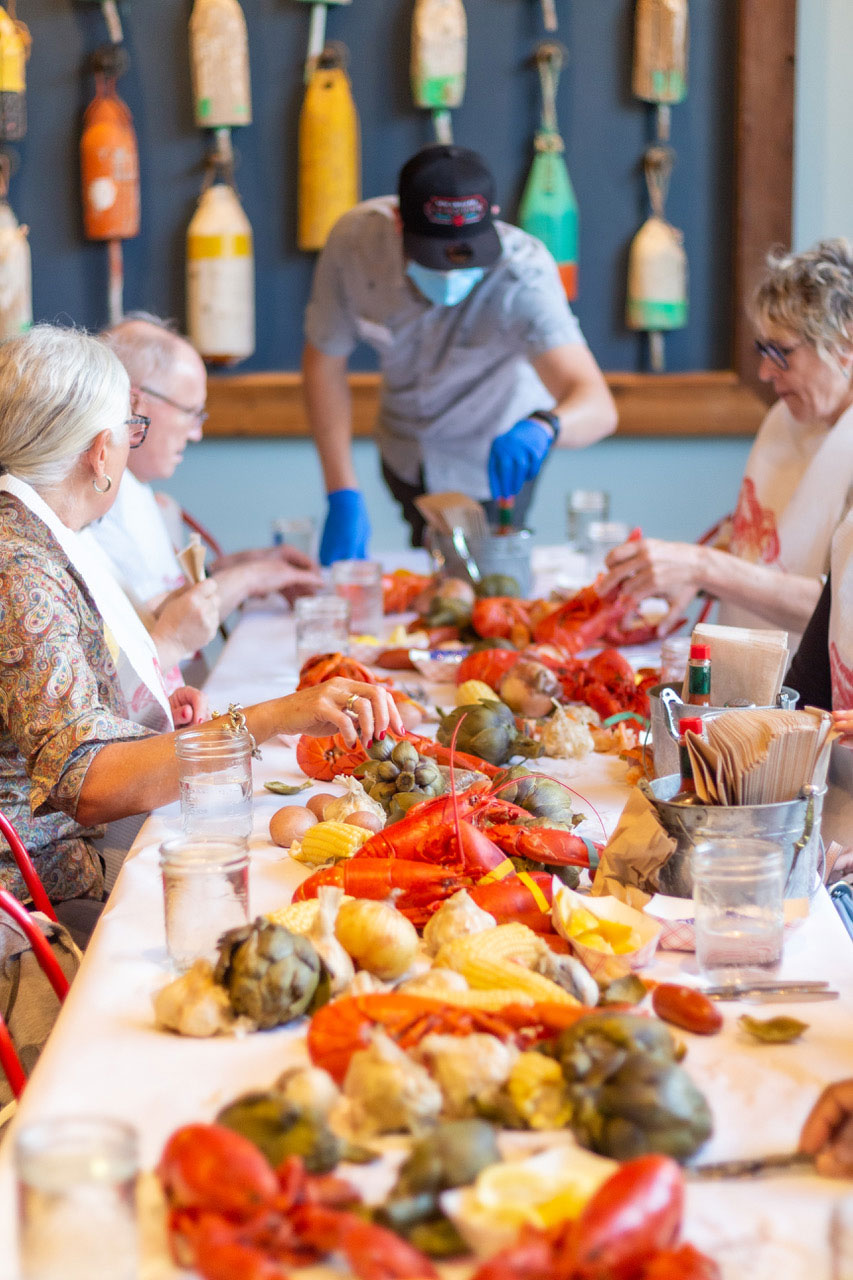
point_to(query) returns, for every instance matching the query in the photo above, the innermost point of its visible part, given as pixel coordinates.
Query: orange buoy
(109, 165)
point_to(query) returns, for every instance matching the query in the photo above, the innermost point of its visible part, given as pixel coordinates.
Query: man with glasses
(141, 531)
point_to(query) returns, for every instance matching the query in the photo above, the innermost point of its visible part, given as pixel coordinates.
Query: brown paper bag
(634, 854)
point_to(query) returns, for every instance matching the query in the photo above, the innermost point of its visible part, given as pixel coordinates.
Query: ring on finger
(350, 702)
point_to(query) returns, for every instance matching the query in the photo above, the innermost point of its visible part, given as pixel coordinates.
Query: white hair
(147, 345)
(59, 388)
(810, 295)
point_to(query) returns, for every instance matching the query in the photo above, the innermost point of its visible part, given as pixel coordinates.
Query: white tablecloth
(106, 1057)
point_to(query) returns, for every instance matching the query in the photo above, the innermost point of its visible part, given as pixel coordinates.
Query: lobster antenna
(453, 792)
(511, 781)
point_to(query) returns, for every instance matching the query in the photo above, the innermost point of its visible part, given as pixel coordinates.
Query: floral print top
(60, 702)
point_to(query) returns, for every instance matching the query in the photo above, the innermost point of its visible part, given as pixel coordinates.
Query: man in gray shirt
(484, 366)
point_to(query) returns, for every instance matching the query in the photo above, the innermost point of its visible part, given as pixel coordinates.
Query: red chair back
(10, 1063)
(40, 945)
(41, 901)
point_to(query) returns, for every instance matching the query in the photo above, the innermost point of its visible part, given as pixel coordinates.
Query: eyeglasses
(200, 414)
(137, 429)
(774, 353)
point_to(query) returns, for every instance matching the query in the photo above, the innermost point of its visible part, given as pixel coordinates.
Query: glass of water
(205, 892)
(582, 506)
(299, 532)
(322, 626)
(603, 536)
(77, 1199)
(215, 768)
(360, 582)
(738, 888)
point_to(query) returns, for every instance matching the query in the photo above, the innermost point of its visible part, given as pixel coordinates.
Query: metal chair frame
(41, 901)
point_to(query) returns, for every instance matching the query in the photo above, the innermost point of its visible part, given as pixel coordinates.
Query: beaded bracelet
(237, 717)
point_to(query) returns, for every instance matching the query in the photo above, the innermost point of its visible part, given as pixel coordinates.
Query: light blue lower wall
(674, 488)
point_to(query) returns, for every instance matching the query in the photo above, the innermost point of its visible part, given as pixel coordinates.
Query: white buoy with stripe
(220, 278)
(16, 300)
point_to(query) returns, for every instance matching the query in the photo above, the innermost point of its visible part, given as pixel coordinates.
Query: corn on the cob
(331, 842)
(494, 998)
(474, 691)
(512, 941)
(498, 958)
(299, 917)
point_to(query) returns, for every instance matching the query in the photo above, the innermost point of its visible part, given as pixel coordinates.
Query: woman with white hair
(798, 483)
(85, 722)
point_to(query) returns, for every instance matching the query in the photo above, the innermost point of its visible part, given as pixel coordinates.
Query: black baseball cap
(446, 197)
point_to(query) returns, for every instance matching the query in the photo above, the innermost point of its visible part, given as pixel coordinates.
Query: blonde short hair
(810, 294)
(58, 389)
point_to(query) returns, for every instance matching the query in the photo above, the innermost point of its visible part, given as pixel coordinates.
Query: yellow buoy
(14, 51)
(220, 277)
(329, 150)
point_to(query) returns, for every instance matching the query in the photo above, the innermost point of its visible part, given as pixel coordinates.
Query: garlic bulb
(565, 736)
(377, 936)
(457, 916)
(309, 1088)
(354, 798)
(529, 688)
(322, 934)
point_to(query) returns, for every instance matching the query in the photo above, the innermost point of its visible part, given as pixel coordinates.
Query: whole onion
(446, 589)
(529, 689)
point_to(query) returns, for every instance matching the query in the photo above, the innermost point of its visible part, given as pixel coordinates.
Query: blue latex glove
(517, 455)
(347, 528)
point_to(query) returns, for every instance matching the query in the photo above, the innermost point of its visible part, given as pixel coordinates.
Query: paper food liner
(191, 559)
(675, 916)
(745, 662)
(606, 968)
(634, 854)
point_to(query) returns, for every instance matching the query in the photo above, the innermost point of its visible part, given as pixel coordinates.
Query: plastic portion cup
(205, 893)
(583, 506)
(77, 1199)
(738, 887)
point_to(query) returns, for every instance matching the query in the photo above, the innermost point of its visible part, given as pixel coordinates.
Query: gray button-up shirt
(453, 378)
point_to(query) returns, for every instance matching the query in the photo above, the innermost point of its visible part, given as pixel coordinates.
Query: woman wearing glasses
(85, 720)
(767, 568)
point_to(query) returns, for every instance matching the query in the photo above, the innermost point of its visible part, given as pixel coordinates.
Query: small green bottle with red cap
(699, 676)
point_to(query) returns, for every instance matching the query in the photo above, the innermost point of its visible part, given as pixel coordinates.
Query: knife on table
(768, 991)
(788, 1161)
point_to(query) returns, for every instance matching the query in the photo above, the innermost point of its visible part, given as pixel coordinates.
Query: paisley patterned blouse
(60, 702)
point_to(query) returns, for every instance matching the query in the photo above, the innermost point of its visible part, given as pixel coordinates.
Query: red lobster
(627, 1231)
(401, 588)
(322, 758)
(344, 1025)
(233, 1217)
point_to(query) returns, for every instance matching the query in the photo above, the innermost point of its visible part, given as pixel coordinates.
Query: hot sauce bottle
(685, 767)
(699, 676)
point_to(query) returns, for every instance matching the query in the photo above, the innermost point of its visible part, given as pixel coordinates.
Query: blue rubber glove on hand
(347, 528)
(517, 455)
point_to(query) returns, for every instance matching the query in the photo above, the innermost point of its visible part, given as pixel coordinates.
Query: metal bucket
(496, 553)
(793, 824)
(664, 746)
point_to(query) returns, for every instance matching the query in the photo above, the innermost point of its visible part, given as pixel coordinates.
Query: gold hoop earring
(97, 487)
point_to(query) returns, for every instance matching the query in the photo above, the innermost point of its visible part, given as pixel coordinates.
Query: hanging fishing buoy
(329, 150)
(660, 56)
(438, 60)
(220, 277)
(219, 64)
(14, 50)
(317, 32)
(109, 165)
(16, 292)
(657, 265)
(549, 209)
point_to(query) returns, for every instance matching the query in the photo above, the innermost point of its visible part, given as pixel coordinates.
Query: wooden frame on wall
(708, 402)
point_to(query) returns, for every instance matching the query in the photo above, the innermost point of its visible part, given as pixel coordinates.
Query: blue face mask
(444, 288)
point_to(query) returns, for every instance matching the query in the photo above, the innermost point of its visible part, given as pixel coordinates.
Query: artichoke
(498, 584)
(629, 1097)
(488, 730)
(447, 611)
(270, 974)
(542, 797)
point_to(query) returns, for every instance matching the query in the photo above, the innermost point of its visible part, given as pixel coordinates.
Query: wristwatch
(550, 419)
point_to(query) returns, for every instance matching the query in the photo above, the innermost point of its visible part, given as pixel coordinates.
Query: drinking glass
(322, 626)
(77, 1199)
(215, 767)
(360, 582)
(603, 536)
(582, 506)
(205, 892)
(296, 531)
(674, 653)
(738, 886)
